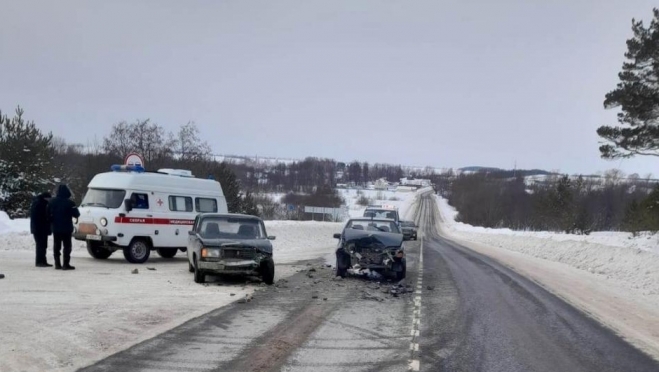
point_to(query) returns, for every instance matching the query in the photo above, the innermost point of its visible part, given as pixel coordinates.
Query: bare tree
(188, 145)
(143, 137)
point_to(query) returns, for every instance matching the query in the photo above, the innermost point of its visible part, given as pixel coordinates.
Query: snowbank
(61, 321)
(647, 242)
(614, 255)
(8, 225)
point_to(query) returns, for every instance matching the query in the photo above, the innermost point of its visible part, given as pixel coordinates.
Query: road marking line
(414, 362)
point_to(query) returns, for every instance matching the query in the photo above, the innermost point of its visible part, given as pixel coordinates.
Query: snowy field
(63, 320)
(612, 276)
(400, 199)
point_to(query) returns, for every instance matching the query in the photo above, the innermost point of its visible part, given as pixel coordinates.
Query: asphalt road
(460, 311)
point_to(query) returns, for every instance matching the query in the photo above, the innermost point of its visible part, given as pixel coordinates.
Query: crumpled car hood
(369, 237)
(263, 245)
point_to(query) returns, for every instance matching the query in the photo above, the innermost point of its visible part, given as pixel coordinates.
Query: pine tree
(249, 205)
(637, 94)
(26, 156)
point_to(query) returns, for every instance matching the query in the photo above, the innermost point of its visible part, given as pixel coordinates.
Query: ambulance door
(181, 218)
(140, 220)
(161, 221)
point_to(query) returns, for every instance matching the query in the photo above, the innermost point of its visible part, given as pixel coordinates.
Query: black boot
(58, 265)
(66, 266)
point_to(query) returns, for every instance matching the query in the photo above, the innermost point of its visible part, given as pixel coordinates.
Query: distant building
(417, 182)
(381, 184)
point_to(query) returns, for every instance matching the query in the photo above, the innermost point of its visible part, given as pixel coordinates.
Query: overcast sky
(442, 83)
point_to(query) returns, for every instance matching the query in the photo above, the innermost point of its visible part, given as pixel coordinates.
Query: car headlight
(210, 253)
(104, 221)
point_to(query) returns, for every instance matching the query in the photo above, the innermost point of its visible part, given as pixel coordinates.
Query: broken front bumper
(230, 266)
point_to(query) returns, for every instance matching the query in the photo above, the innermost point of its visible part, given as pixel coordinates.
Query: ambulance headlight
(104, 221)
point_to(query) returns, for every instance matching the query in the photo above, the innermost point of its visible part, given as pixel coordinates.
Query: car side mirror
(192, 232)
(128, 205)
(337, 236)
(272, 237)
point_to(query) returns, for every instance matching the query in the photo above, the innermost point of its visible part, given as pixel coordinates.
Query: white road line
(414, 363)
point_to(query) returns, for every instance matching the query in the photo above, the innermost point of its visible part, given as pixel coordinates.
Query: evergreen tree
(637, 95)
(26, 169)
(249, 205)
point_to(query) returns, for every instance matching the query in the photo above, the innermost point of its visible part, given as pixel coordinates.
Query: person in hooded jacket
(62, 210)
(40, 227)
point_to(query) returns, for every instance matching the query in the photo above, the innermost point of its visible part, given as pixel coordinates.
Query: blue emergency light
(127, 168)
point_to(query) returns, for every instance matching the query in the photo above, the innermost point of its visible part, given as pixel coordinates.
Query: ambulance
(137, 211)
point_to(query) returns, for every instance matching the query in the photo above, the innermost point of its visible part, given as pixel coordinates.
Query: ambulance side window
(140, 201)
(180, 204)
(206, 205)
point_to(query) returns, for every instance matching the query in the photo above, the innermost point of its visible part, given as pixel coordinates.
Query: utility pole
(515, 169)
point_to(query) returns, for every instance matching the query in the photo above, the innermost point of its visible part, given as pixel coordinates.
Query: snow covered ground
(611, 276)
(61, 321)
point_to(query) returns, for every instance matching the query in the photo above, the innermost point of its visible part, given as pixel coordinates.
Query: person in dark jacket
(40, 227)
(62, 210)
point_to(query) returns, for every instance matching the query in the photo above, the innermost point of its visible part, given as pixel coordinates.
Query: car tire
(138, 251)
(199, 276)
(167, 252)
(268, 271)
(400, 275)
(342, 265)
(98, 252)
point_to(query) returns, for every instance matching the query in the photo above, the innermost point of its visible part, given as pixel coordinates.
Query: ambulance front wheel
(138, 251)
(97, 251)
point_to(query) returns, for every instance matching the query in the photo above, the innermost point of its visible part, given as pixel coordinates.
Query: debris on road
(246, 299)
(151, 268)
(430, 287)
(2, 276)
(135, 271)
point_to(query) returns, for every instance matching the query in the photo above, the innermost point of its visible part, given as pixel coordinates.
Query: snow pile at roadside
(646, 241)
(8, 225)
(612, 255)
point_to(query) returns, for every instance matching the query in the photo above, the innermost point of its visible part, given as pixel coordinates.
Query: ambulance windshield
(103, 198)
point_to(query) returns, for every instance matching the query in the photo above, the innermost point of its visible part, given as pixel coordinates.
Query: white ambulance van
(136, 211)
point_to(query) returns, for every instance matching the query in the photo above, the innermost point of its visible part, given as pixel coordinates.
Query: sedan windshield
(373, 225)
(231, 228)
(104, 198)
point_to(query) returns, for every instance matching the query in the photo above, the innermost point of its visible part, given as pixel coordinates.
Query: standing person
(40, 227)
(62, 210)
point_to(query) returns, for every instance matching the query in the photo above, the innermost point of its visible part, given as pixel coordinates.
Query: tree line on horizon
(32, 162)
